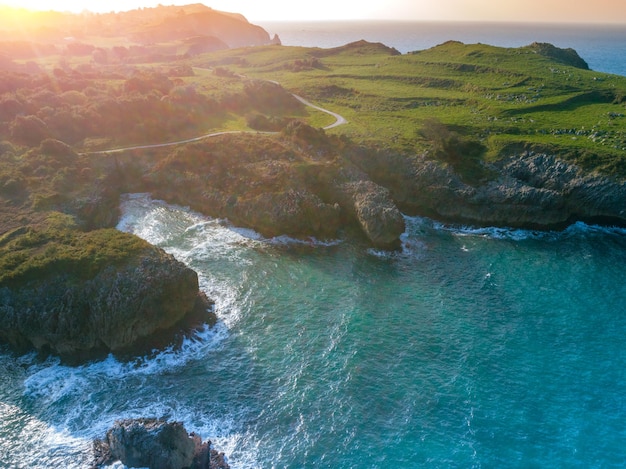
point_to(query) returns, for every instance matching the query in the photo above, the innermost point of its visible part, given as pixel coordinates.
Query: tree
(29, 130)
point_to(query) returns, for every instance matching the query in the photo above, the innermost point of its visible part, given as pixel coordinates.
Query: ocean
(602, 46)
(469, 348)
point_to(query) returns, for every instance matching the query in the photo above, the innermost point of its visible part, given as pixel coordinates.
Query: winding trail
(339, 120)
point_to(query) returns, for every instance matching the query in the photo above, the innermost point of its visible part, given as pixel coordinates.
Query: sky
(596, 11)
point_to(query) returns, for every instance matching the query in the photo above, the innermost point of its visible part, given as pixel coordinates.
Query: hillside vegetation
(504, 99)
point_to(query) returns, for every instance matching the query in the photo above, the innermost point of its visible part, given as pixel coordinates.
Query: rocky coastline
(322, 190)
(79, 305)
(74, 287)
(527, 190)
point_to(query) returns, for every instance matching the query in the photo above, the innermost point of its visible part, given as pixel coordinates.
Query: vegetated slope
(536, 96)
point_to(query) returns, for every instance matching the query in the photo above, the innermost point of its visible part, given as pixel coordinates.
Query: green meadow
(506, 99)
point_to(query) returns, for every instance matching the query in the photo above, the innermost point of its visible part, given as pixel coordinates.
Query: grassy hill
(536, 96)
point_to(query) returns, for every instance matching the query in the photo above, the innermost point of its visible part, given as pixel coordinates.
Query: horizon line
(85, 11)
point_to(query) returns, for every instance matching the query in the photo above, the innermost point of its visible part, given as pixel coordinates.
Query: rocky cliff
(527, 190)
(83, 298)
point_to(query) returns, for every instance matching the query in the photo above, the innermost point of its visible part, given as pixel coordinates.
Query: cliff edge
(83, 295)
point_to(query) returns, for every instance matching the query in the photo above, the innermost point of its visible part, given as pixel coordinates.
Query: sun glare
(43, 5)
(272, 10)
(282, 10)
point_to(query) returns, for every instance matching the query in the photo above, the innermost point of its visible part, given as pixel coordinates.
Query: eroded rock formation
(136, 306)
(156, 444)
(527, 190)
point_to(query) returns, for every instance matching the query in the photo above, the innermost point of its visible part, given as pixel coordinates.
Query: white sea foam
(202, 242)
(310, 241)
(53, 381)
(51, 384)
(34, 443)
(152, 220)
(421, 225)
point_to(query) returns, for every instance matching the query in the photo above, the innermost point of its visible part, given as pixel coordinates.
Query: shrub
(29, 130)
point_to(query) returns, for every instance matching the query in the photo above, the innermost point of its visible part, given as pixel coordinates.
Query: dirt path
(339, 120)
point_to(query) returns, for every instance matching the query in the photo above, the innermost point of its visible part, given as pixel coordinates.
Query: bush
(463, 153)
(450, 145)
(29, 130)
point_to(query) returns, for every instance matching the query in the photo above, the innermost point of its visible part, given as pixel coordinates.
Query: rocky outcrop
(565, 56)
(374, 210)
(135, 306)
(297, 213)
(298, 187)
(155, 444)
(253, 180)
(529, 190)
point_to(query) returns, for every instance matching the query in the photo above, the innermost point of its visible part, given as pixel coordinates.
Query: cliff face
(79, 311)
(529, 190)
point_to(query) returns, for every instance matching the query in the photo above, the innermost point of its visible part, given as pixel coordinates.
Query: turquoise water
(469, 348)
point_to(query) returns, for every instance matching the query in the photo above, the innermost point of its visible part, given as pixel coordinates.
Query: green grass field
(532, 96)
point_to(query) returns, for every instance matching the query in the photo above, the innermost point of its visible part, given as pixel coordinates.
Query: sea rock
(155, 444)
(134, 307)
(377, 214)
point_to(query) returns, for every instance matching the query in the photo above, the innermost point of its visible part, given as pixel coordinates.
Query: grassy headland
(503, 98)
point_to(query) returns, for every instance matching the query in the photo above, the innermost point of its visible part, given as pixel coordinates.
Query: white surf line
(339, 120)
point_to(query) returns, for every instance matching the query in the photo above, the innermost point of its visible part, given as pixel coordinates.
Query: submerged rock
(155, 444)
